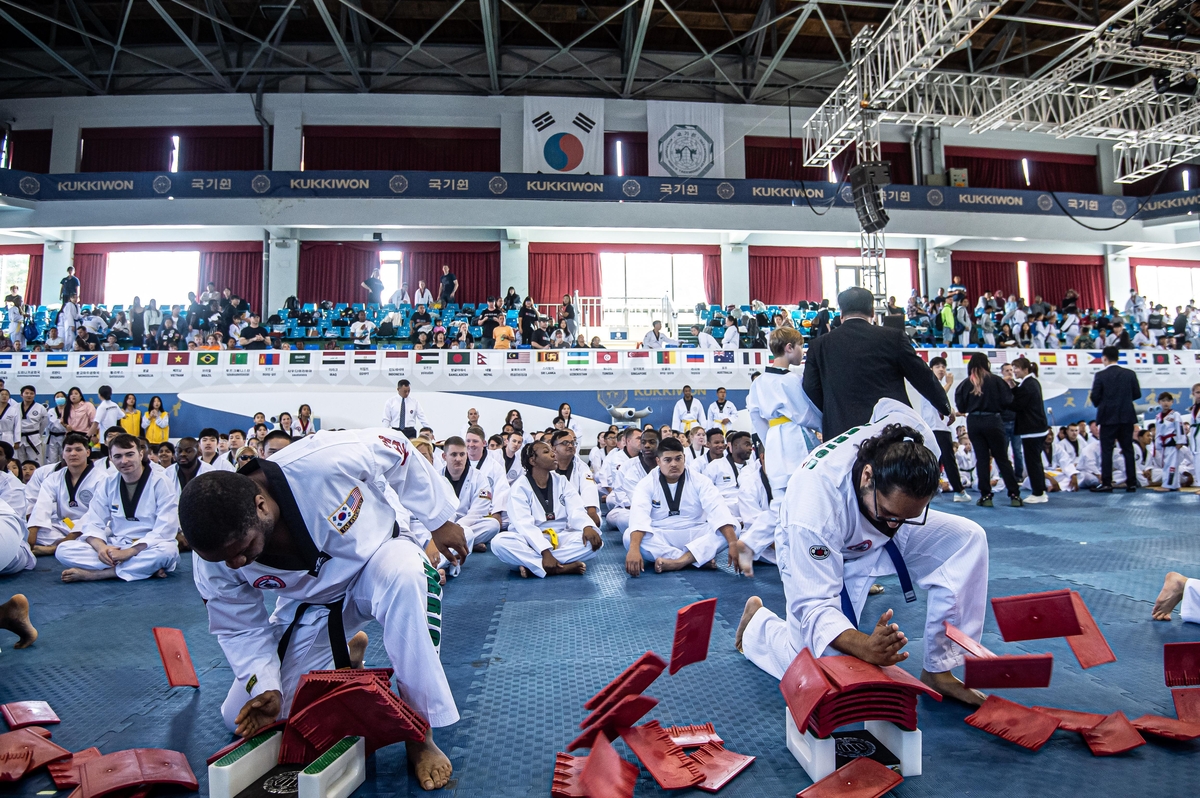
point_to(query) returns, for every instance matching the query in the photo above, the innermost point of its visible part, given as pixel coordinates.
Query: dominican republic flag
(29, 361)
(1140, 358)
(268, 359)
(564, 135)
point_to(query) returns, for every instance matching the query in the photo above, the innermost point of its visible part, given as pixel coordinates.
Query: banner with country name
(564, 135)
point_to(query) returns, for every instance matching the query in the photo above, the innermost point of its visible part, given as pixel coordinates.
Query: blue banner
(602, 188)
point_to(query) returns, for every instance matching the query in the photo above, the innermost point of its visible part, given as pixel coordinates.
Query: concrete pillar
(514, 266)
(287, 144)
(1106, 168)
(735, 151)
(735, 274)
(284, 278)
(939, 272)
(512, 141)
(54, 267)
(938, 152)
(1117, 278)
(64, 145)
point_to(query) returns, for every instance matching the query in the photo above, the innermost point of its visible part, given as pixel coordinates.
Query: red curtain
(713, 288)
(1052, 280)
(778, 279)
(989, 172)
(241, 272)
(91, 269)
(126, 150)
(773, 158)
(215, 149)
(993, 168)
(33, 281)
(478, 273)
(1078, 178)
(1173, 181)
(635, 159)
(985, 275)
(428, 149)
(334, 271)
(554, 274)
(29, 150)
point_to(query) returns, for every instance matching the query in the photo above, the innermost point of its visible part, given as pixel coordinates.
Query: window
(651, 276)
(1168, 285)
(1023, 280)
(847, 272)
(390, 268)
(164, 276)
(14, 270)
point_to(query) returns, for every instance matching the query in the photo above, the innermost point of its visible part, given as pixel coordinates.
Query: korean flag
(564, 135)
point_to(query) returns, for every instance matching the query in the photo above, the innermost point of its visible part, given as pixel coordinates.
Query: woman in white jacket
(549, 532)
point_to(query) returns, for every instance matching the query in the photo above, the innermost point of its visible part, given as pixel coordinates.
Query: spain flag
(1048, 358)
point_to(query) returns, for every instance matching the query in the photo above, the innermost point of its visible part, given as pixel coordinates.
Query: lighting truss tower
(872, 246)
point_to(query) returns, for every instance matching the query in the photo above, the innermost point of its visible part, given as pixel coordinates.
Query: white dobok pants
(15, 555)
(399, 588)
(671, 544)
(948, 557)
(513, 549)
(759, 537)
(163, 555)
(1189, 608)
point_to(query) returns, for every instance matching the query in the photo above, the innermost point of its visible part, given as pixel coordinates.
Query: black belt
(337, 633)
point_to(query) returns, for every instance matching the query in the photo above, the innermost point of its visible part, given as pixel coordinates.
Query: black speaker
(865, 181)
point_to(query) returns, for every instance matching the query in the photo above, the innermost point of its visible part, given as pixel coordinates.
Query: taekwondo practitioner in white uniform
(1168, 439)
(32, 427)
(210, 444)
(490, 466)
(510, 456)
(1067, 452)
(568, 464)
(64, 497)
(629, 444)
(1193, 435)
(857, 509)
(1146, 460)
(34, 486)
(312, 526)
(759, 519)
(714, 450)
(780, 410)
(677, 518)
(724, 472)
(15, 554)
(187, 466)
(128, 531)
(630, 474)
(472, 487)
(549, 532)
(722, 413)
(12, 490)
(688, 412)
(10, 420)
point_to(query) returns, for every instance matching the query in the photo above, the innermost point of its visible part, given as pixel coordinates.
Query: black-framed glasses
(898, 521)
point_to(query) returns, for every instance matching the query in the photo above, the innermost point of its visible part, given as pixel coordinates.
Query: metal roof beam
(191, 45)
(338, 42)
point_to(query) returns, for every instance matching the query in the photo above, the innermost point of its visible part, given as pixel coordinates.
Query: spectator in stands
(120, 327)
(559, 340)
(503, 335)
(110, 344)
(527, 318)
(54, 343)
(374, 287)
(539, 338)
(703, 339)
(153, 316)
(361, 331)
(84, 341)
(448, 286)
(732, 337)
(421, 321)
(68, 286)
(156, 422)
(423, 295)
(210, 294)
(254, 336)
(956, 287)
(1118, 337)
(489, 319)
(656, 338)
(169, 336)
(14, 296)
(1070, 303)
(79, 414)
(595, 343)
(400, 296)
(566, 317)
(512, 300)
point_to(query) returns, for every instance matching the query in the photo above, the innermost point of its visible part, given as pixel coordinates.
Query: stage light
(1162, 80)
(865, 181)
(1176, 27)
(1139, 37)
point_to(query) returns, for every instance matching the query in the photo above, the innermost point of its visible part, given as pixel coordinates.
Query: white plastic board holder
(818, 756)
(337, 772)
(244, 765)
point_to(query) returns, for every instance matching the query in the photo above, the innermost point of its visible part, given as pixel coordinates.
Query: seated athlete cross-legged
(857, 509)
(549, 532)
(677, 518)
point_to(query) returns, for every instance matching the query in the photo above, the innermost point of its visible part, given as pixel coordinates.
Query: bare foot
(711, 565)
(88, 575)
(753, 605)
(663, 564)
(1169, 598)
(745, 559)
(875, 590)
(479, 548)
(14, 616)
(949, 686)
(358, 649)
(571, 568)
(161, 573)
(442, 577)
(523, 571)
(431, 766)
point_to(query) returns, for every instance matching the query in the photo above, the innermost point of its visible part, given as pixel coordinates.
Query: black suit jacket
(1114, 390)
(855, 365)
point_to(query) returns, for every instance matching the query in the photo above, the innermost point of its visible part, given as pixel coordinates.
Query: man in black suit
(1114, 390)
(858, 363)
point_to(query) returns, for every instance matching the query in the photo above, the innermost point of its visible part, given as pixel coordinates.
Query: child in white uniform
(1169, 440)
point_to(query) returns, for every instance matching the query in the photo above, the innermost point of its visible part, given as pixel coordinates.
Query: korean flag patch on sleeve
(344, 517)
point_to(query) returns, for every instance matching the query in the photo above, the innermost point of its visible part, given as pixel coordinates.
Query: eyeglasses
(245, 458)
(896, 522)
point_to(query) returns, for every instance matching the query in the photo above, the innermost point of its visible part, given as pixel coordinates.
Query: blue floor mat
(523, 655)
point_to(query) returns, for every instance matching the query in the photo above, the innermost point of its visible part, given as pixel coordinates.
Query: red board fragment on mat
(1072, 721)
(1113, 735)
(1091, 649)
(1187, 703)
(633, 681)
(65, 772)
(862, 778)
(692, 736)
(1018, 670)
(1181, 664)
(965, 641)
(693, 628)
(366, 710)
(718, 765)
(175, 657)
(137, 767)
(605, 774)
(629, 681)
(803, 686)
(28, 744)
(19, 714)
(1170, 728)
(1036, 616)
(628, 711)
(667, 763)
(1013, 722)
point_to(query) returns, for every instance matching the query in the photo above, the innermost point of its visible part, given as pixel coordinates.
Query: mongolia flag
(268, 359)
(147, 359)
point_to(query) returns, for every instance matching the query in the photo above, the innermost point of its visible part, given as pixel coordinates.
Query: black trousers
(1122, 434)
(989, 442)
(946, 444)
(1032, 449)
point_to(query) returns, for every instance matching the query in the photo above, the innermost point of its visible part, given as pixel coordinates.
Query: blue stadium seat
(312, 346)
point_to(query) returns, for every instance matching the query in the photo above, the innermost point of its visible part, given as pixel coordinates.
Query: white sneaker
(1037, 499)
(962, 496)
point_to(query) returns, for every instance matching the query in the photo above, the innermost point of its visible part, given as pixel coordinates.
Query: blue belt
(906, 584)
